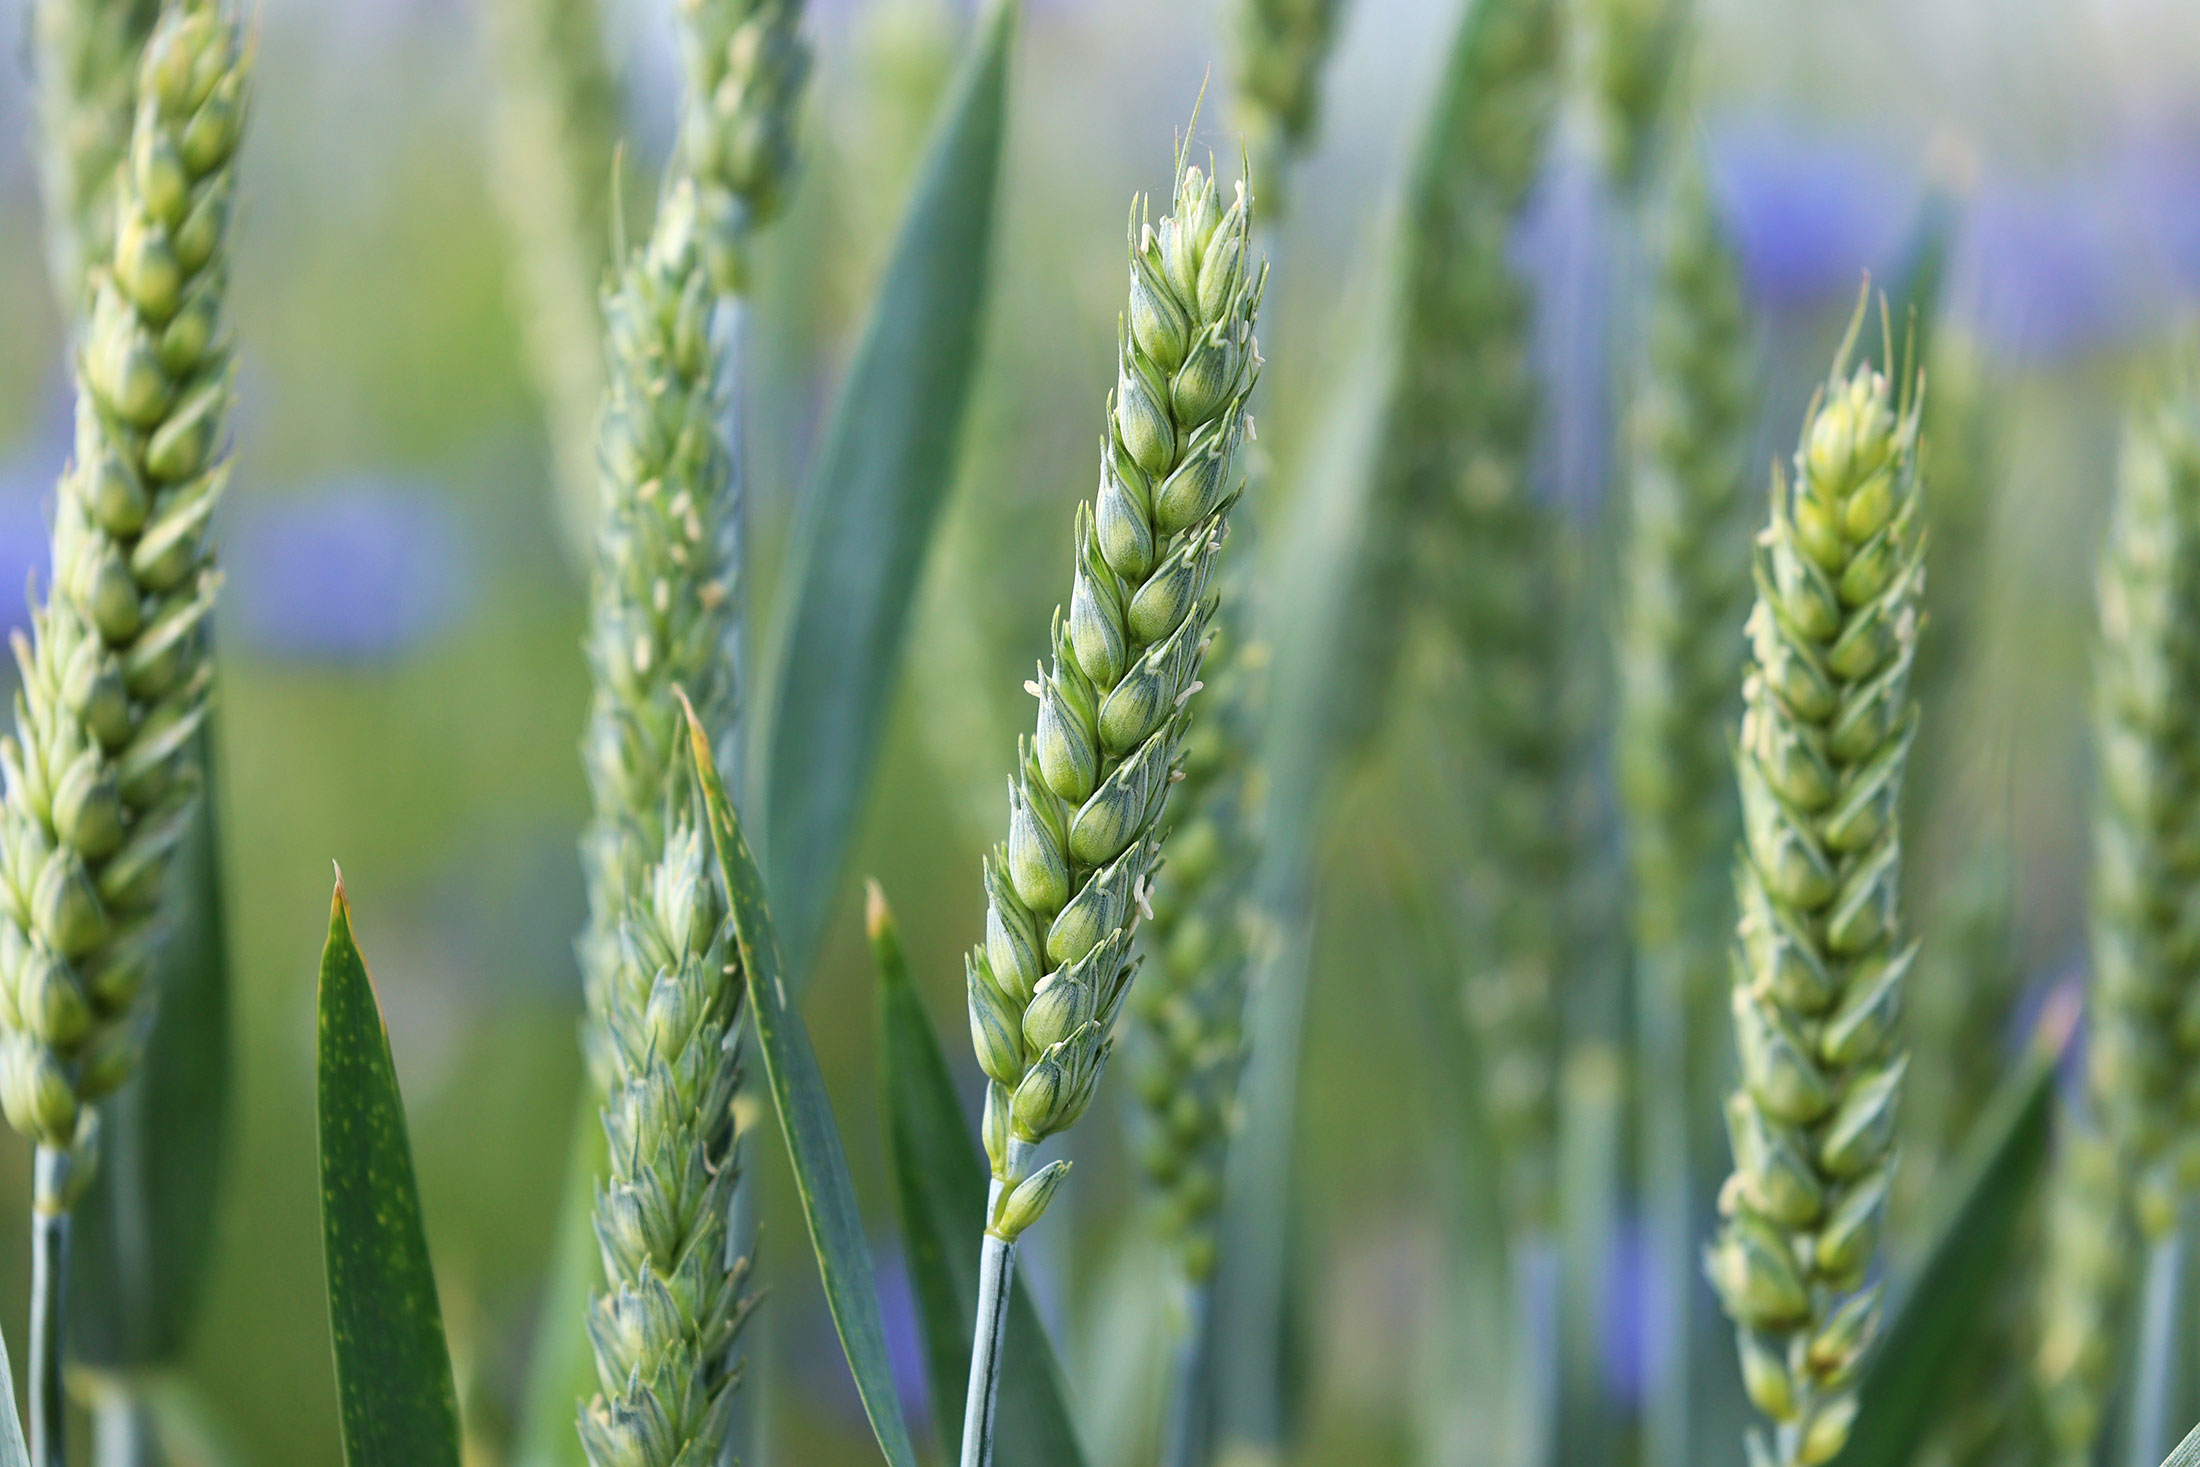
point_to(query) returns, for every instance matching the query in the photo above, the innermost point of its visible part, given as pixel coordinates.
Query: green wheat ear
(1281, 45)
(85, 53)
(101, 780)
(2124, 1175)
(1819, 961)
(746, 63)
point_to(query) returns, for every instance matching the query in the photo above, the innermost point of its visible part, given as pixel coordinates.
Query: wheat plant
(2122, 1177)
(1679, 659)
(1631, 54)
(100, 775)
(1819, 961)
(1065, 892)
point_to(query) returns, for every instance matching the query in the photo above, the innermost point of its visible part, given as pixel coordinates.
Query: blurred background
(401, 684)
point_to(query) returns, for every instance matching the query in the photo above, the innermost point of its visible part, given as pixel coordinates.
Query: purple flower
(360, 571)
(1809, 214)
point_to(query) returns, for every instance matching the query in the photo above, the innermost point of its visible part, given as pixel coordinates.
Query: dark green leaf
(863, 528)
(940, 1183)
(806, 1121)
(145, 1231)
(562, 1372)
(393, 1371)
(1906, 1378)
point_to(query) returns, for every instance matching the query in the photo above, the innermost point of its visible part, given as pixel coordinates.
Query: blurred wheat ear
(84, 57)
(1819, 960)
(2123, 1175)
(554, 126)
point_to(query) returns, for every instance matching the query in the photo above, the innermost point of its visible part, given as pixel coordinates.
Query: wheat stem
(2155, 1370)
(1184, 1423)
(51, 1194)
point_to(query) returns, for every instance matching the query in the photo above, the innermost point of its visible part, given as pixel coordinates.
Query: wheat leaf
(863, 528)
(393, 1371)
(806, 1121)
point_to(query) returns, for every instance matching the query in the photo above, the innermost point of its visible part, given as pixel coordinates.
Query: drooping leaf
(862, 530)
(1905, 1381)
(940, 1184)
(393, 1370)
(562, 1371)
(144, 1232)
(806, 1123)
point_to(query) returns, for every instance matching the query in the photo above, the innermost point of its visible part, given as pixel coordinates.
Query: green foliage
(940, 1185)
(102, 780)
(1819, 962)
(805, 1118)
(393, 1372)
(866, 523)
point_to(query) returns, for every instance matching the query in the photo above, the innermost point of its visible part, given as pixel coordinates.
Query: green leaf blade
(864, 526)
(144, 1233)
(940, 1186)
(393, 1369)
(806, 1123)
(1905, 1381)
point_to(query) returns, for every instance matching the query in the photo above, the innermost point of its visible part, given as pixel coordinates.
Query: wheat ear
(2125, 1175)
(101, 779)
(1818, 962)
(85, 53)
(1065, 892)
(554, 128)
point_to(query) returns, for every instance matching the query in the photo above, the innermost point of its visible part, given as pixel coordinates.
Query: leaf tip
(2059, 1019)
(878, 917)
